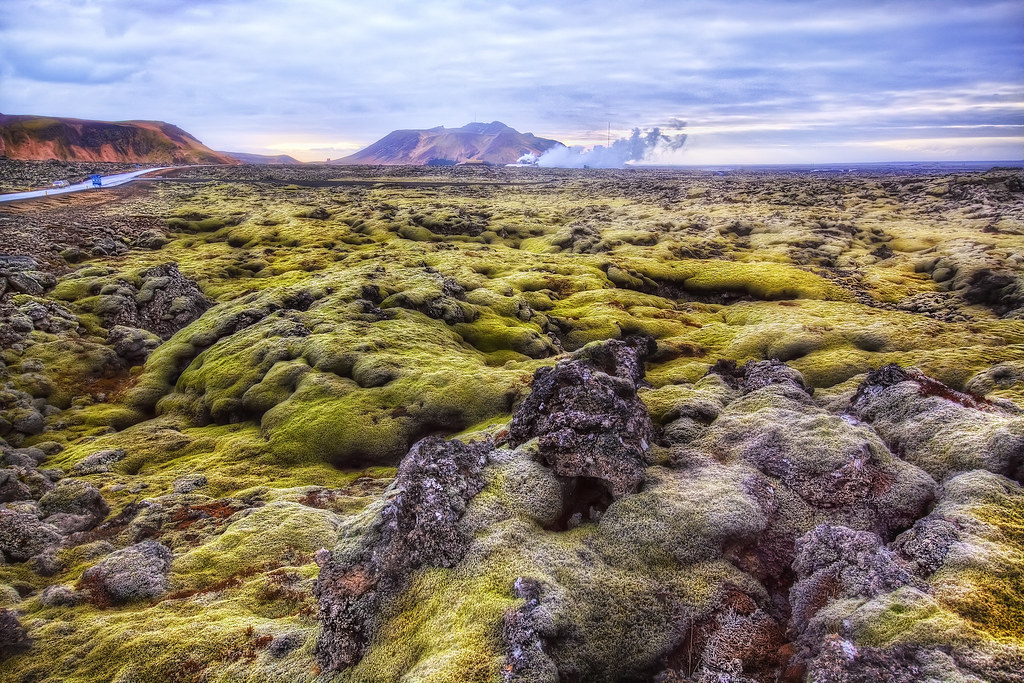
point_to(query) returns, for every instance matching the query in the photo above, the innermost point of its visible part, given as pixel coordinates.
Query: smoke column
(639, 146)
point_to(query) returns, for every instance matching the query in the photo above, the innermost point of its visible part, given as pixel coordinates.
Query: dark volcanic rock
(74, 505)
(524, 632)
(836, 562)
(132, 344)
(22, 535)
(587, 415)
(166, 302)
(13, 638)
(417, 528)
(833, 563)
(927, 543)
(758, 374)
(11, 489)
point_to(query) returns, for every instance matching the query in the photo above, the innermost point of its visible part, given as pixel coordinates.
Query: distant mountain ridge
(28, 137)
(475, 143)
(263, 159)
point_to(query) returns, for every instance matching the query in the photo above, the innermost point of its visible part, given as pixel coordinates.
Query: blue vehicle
(97, 180)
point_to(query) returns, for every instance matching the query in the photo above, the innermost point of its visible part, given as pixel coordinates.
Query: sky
(752, 82)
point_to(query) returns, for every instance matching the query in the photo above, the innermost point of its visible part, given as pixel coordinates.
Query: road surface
(108, 181)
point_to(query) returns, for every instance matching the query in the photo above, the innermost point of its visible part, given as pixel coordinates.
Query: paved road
(108, 181)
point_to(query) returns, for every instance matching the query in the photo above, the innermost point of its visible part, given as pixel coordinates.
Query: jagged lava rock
(588, 418)
(417, 527)
(166, 302)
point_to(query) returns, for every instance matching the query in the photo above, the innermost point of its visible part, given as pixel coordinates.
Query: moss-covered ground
(351, 319)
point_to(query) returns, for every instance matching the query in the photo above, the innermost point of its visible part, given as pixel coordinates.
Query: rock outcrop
(587, 417)
(731, 551)
(418, 527)
(133, 573)
(165, 302)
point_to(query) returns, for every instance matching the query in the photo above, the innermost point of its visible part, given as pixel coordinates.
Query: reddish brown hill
(263, 159)
(45, 137)
(489, 143)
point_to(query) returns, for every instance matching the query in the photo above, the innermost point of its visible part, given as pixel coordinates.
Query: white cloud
(264, 74)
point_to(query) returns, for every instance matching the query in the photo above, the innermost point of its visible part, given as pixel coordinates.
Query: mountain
(46, 137)
(488, 143)
(278, 159)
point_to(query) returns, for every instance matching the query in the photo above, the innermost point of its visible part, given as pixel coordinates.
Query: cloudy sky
(755, 82)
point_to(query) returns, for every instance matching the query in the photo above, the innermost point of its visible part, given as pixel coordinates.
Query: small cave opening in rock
(585, 500)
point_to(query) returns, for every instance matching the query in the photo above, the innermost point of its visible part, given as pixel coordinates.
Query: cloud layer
(756, 81)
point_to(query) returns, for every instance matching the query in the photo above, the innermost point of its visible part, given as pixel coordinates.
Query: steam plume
(641, 145)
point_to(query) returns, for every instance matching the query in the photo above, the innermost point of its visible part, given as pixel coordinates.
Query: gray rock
(11, 488)
(137, 572)
(28, 421)
(284, 643)
(151, 239)
(927, 543)
(131, 343)
(10, 262)
(33, 452)
(46, 563)
(98, 462)
(166, 302)
(13, 638)
(23, 535)
(75, 497)
(25, 283)
(59, 596)
(189, 483)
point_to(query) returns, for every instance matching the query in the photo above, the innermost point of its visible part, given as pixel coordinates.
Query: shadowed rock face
(588, 418)
(166, 302)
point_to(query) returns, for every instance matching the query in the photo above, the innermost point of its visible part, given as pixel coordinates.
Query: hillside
(263, 159)
(487, 143)
(43, 137)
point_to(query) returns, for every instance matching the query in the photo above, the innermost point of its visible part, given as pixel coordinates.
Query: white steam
(639, 146)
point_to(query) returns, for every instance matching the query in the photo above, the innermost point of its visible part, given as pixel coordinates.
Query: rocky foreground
(513, 426)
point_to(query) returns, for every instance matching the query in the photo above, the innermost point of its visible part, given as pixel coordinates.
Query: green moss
(445, 628)
(329, 346)
(266, 536)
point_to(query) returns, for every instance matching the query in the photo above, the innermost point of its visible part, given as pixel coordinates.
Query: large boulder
(165, 302)
(137, 572)
(418, 527)
(74, 505)
(587, 416)
(23, 535)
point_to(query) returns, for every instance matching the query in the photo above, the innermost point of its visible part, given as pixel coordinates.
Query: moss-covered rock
(347, 321)
(135, 573)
